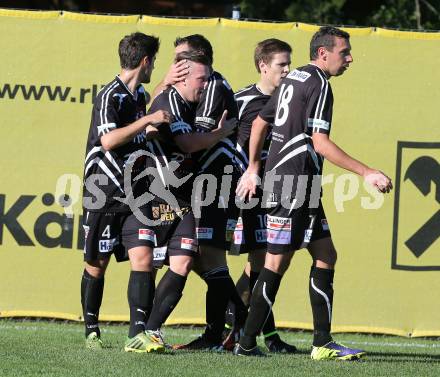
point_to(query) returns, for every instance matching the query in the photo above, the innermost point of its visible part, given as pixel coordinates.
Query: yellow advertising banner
(386, 114)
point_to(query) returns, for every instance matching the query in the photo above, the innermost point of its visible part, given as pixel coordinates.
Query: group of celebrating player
(199, 155)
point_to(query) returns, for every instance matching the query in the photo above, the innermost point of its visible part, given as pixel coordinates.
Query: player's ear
(262, 65)
(322, 53)
(145, 61)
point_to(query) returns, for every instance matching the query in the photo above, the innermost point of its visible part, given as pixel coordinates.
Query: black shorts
(114, 233)
(215, 222)
(293, 230)
(175, 234)
(250, 231)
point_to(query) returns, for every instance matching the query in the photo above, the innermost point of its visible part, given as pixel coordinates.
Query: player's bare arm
(248, 183)
(330, 151)
(123, 135)
(194, 142)
(176, 73)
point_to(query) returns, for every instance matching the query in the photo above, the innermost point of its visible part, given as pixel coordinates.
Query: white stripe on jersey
(158, 165)
(242, 153)
(105, 128)
(218, 152)
(243, 90)
(92, 151)
(325, 94)
(212, 99)
(292, 141)
(157, 144)
(104, 102)
(112, 161)
(105, 169)
(174, 97)
(322, 99)
(296, 151)
(246, 100)
(210, 89)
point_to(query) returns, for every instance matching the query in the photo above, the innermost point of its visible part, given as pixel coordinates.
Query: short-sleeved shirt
(216, 98)
(251, 101)
(165, 149)
(114, 107)
(300, 106)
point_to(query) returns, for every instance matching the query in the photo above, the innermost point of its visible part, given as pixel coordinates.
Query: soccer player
(176, 232)
(117, 132)
(301, 111)
(272, 60)
(215, 220)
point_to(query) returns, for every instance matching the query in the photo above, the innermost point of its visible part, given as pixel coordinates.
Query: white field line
(177, 333)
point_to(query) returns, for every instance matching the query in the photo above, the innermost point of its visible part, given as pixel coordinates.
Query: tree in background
(403, 14)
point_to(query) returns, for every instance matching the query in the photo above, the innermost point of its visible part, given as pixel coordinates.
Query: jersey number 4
(284, 98)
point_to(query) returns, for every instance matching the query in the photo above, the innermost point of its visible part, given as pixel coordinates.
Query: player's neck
(321, 66)
(130, 78)
(265, 87)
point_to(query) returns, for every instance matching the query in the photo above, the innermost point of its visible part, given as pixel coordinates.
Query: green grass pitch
(40, 348)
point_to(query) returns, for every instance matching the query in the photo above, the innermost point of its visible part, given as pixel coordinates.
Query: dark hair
(193, 56)
(325, 37)
(134, 47)
(197, 42)
(266, 49)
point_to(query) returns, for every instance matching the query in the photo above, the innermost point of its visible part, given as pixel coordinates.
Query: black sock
(269, 330)
(321, 299)
(220, 290)
(240, 298)
(140, 295)
(168, 294)
(265, 289)
(91, 299)
(243, 288)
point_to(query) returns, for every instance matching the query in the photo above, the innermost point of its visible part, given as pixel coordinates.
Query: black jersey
(216, 98)
(300, 106)
(165, 149)
(250, 101)
(114, 107)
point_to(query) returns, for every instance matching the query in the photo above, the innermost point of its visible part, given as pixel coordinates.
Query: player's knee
(278, 263)
(181, 265)
(141, 259)
(97, 268)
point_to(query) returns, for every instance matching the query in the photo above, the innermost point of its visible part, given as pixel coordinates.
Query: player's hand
(379, 180)
(247, 185)
(226, 127)
(176, 73)
(152, 132)
(159, 117)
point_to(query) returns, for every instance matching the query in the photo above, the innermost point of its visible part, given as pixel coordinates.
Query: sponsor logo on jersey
(230, 227)
(261, 235)
(204, 233)
(188, 244)
(298, 75)
(180, 126)
(279, 237)
(146, 234)
(106, 246)
(308, 235)
(324, 224)
(159, 253)
(279, 223)
(318, 123)
(206, 120)
(238, 237)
